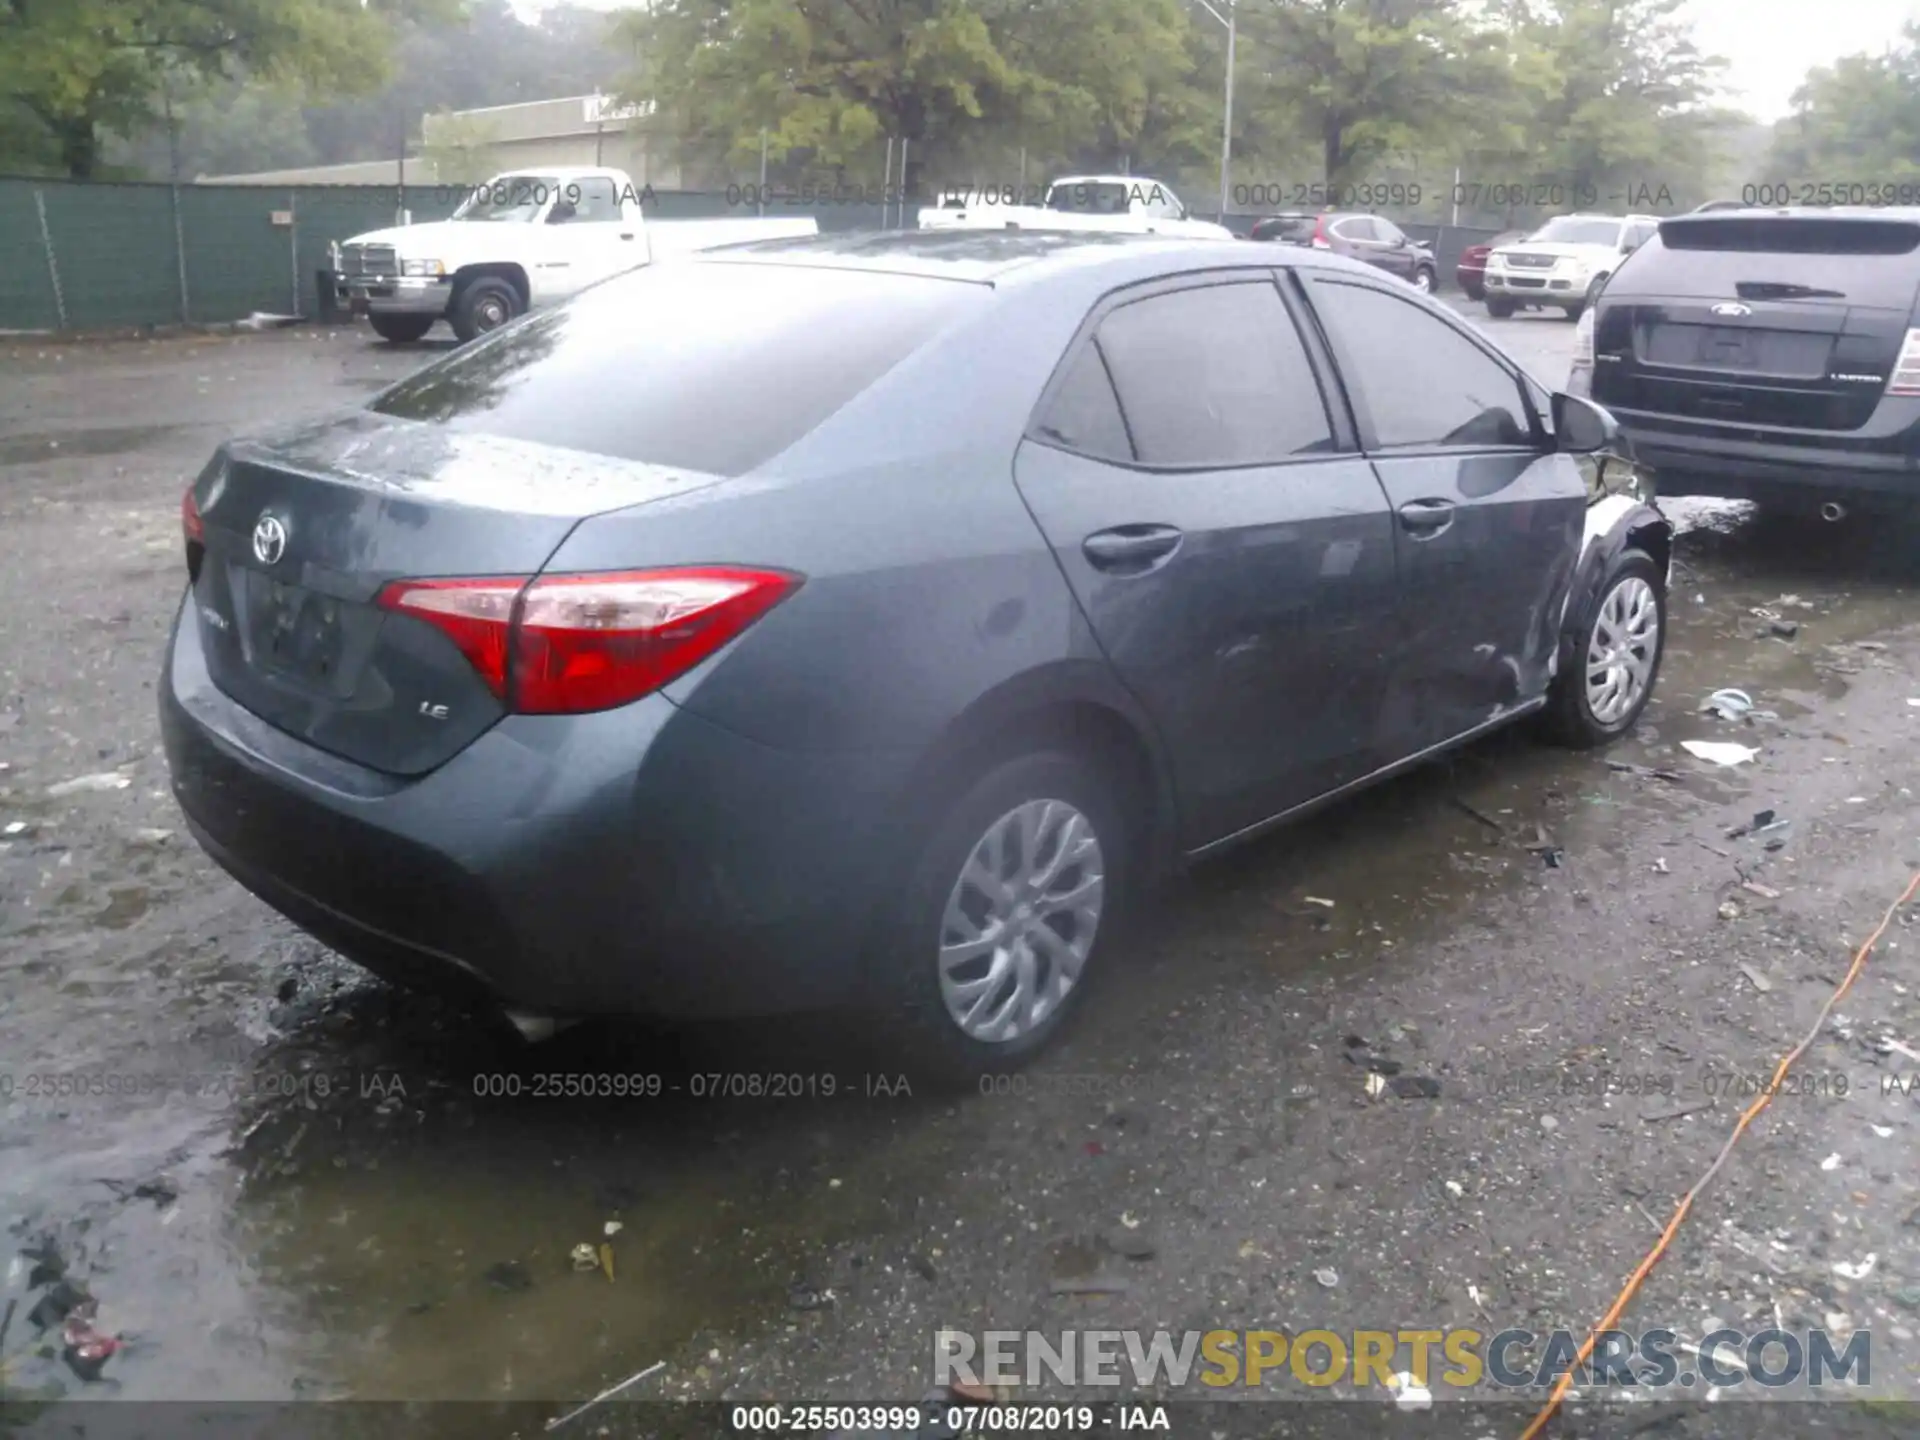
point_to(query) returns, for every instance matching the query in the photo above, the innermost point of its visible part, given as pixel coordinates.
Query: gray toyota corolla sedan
(862, 621)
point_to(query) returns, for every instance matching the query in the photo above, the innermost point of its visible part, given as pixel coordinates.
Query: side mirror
(1399, 242)
(1581, 427)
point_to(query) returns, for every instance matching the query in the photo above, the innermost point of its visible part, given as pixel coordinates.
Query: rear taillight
(1583, 338)
(1320, 240)
(1906, 371)
(568, 644)
(191, 525)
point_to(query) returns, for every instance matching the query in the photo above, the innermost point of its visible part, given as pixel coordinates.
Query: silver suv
(1563, 263)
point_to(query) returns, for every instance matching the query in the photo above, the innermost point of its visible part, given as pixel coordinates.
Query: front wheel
(1423, 281)
(484, 305)
(1619, 642)
(1499, 307)
(1006, 913)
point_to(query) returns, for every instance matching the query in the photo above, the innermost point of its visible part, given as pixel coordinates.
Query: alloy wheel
(1622, 650)
(1020, 920)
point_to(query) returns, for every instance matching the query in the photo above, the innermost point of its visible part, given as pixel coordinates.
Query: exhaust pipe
(535, 1028)
(1833, 511)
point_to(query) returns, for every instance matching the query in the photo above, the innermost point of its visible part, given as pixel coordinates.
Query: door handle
(1130, 549)
(1426, 518)
(626, 234)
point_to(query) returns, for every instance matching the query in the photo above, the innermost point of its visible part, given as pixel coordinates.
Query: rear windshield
(704, 365)
(1780, 258)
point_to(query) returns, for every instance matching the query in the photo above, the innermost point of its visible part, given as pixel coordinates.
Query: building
(572, 130)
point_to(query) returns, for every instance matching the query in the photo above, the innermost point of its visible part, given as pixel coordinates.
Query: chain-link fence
(84, 256)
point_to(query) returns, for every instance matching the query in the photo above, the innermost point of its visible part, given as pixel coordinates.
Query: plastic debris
(1414, 1087)
(1327, 1279)
(1832, 1162)
(606, 1259)
(1660, 866)
(84, 1348)
(1409, 1393)
(1134, 1244)
(585, 1257)
(802, 1296)
(1728, 704)
(16, 827)
(82, 784)
(1883, 1131)
(1316, 900)
(1784, 629)
(1376, 1085)
(612, 1228)
(1858, 1271)
(1719, 752)
(1759, 980)
(1456, 1189)
(607, 1394)
(1728, 910)
(1765, 892)
(1549, 1124)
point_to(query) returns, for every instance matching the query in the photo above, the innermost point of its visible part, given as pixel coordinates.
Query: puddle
(66, 444)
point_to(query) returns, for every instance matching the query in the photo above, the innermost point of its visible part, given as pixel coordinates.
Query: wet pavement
(282, 1180)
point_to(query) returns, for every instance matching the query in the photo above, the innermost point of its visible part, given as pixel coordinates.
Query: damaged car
(864, 621)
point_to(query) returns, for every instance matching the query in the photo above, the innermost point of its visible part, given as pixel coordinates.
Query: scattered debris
(608, 1394)
(1133, 1244)
(802, 1296)
(61, 1299)
(1832, 1162)
(1883, 1131)
(1376, 1085)
(1858, 1271)
(606, 1259)
(1784, 629)
(17, 827)
(923, 1267)
(85, 1349)
(1765, 892)
(1456, 1189)
(81, 784)
(1719, 752)
(1728, 704)
(1409, 1393)
(1757, 977)
(1675, 1111)
(1762, 820)
(612, 1228)
(1728, 910)
(585, 1257)
(1316, 900)
(1413, 1087)
(1488, 820)
(1887, 1045)
(1660, 866)
(151, 836)
(1673, 776)
(1549, 1124)
(1327, 1278)
(1090, 1285)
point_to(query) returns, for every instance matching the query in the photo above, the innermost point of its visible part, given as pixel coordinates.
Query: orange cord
(1608, 1321)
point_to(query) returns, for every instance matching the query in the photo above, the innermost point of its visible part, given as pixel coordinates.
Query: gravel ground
(310, 1193)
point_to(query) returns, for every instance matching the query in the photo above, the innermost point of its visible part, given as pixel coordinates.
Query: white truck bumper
(393, 294)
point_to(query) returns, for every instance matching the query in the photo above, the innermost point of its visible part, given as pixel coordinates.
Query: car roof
(1803, 212)
(1002, 257)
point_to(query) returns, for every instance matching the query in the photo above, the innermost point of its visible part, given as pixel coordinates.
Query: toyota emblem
(269, 540)
(1732, 307)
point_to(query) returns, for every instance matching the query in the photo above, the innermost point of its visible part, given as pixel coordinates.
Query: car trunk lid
(304, 529)
(1766, 320)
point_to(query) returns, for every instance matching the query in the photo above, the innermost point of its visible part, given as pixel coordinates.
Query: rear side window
(1214, 377)
(1084, 414)
(1862, 262)
(1355, 227)
(711, 366)
(1423, 382)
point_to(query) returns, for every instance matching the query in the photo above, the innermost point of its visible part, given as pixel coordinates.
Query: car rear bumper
(1691, 464)
(636, 861)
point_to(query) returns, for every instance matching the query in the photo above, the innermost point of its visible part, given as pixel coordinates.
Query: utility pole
(1232, 21)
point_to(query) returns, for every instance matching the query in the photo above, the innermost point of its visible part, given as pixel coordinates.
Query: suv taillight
(1321, 240)
(1906, 371)
(568, 644)
(194, 531)
(1583, 338)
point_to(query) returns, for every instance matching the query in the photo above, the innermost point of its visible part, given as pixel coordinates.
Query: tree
(458, 148)
(1367, 80)
(1855, 121)
(959, 81)
(79, 68)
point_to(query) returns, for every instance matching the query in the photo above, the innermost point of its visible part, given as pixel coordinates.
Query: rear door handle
(1130, 549)
(1426, 518)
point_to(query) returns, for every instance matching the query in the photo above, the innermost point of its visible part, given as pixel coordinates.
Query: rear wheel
(1499, 307)
(1009, 906)
(401, 329)
(1423, 280)
(1616, 659)
(482, 305)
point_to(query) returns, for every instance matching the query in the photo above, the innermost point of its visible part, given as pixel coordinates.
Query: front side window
(1423, 382)
(586, 201)
(509, 199)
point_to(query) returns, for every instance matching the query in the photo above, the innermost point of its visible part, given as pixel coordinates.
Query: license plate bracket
(298, 632)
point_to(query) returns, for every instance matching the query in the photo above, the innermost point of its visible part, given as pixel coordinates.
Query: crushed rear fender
(1616, 522)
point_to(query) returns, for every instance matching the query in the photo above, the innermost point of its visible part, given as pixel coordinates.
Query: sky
(1769, 44)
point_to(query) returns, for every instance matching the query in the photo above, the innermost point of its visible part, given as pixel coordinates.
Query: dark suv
(1768, 355)
(1372, 239)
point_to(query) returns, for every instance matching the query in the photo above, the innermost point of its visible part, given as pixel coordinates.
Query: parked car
(1769, 355)
(1470, 273)
(1713, 205)
(1123, 204)
(1372, 239)
(517, 243)
(862, 621)
(1563, 264)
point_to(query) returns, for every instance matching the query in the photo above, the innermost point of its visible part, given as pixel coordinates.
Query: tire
(1571, 711)
(483, 305)
(907, 998)
(1574, 312)
(1423, 280)
(1592, 297)
(1499, 307)
(401, 329)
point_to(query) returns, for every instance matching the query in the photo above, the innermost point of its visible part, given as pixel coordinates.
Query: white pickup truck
(1127, 204)
(521, 241)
